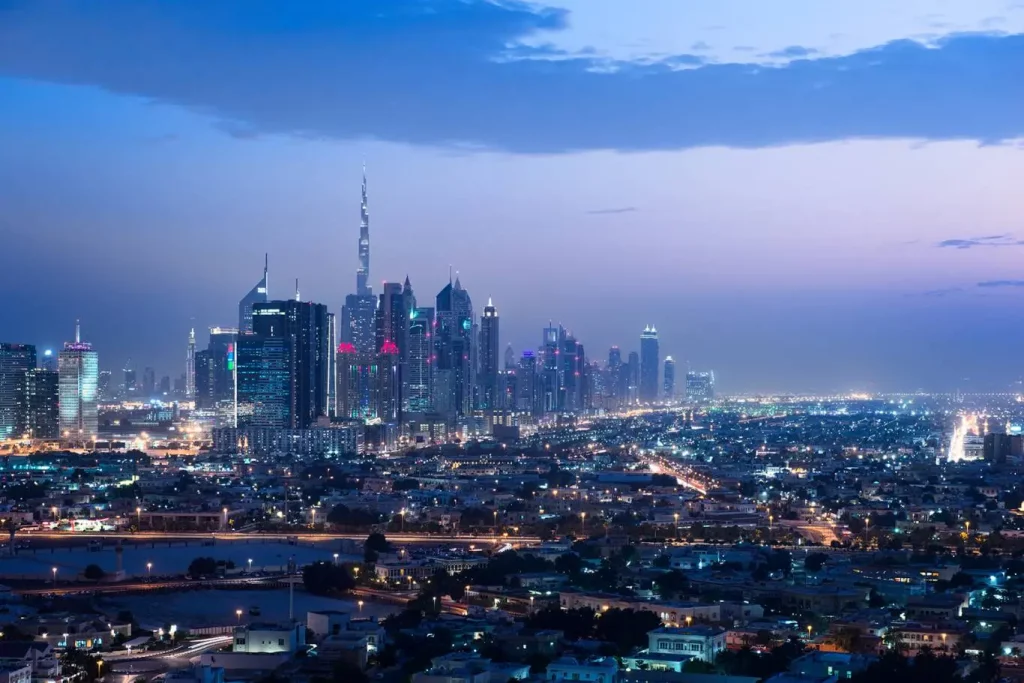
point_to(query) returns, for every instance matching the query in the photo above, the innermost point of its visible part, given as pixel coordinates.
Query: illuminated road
(129, 586)
(434, 539)
(661, 465)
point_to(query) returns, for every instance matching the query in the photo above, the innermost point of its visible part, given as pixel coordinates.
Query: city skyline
(783, 237)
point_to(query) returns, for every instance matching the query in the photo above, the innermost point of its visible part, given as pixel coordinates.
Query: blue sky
(798, 198)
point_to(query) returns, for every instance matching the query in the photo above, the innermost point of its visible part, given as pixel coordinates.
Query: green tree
(94, 572)
(325, 578)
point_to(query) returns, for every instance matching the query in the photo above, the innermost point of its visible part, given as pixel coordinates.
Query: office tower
(526, 384)
(41, 401)
(569, 374)
(50, 363)
(550, 373)
(204, 379)
(148, 383)
(649, 362)
(304, 328)
(700, 386)
(164, 386)
(16, 360)
(583, 380)
(489, 345)
(179, 386)
(614, 387)
(332, 359)
(264, 381)
(453, 351)
(633, 378)
(510, 358)
(357, 315)
(387, 397)
(670, 378)
(356, 383)
(190, 366)
(419, 375)
(257, 295)
(79, 368)
(130, 386)
(103, 390)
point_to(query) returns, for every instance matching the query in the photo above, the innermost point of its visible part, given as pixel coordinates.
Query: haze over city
(800, 198)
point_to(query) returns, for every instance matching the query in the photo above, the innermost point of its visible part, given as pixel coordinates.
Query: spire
(78, 331)
(266, 268)
(192, 336)
(407, 287)
(458, 285)
(297, 297)
(363, 271)
(489, 302)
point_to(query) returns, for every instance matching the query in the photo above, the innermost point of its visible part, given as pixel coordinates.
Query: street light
(250, 564)
(238, 616)
(689, 620)
(335, 558)
(99, 668)
(149, 570)
(54, 577)
(809, 629)
(360, 603)
(583, 522)
(138, 512)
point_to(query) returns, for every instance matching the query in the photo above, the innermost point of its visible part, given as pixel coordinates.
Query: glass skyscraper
(79, 371)
(16, 360)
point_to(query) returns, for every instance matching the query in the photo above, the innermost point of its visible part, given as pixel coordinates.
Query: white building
(269, 638)
(703, 642)
(599, 670)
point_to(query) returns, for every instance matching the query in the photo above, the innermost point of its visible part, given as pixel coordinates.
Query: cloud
(1001, 283)
(942, 292)
(987, 241)
(453, 72)
(793, 52)
(623, 209)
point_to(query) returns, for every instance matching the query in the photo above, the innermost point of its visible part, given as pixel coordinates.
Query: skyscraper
(489, 345)
(700, 386)
(419, 375)
(632, 374)
(79, 369)
(550, 378)
(670, 378)
(42, 404)
(264, 381)
(305, 328)
(16, 360)
(256, 295)
(358, 314)
(148, 383)
(190, 366)
(363, 271)
(453, 372)
(649, 362)
(526, 384)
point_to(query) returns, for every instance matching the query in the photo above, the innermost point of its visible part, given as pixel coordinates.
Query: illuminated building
(633, 378)
(418, 377)
(700, 386)
(304, 328)
(79, 369)
(395, 306)
(369, 385)
(489, 345)
(42, 404)
(550, 372)
(190, 366)
(357, 315)
(670, 378)
(215, 371)
(649, 362)
(256, 295)
(264, 381)
(16, 360)
(526, 385)
(453, 349)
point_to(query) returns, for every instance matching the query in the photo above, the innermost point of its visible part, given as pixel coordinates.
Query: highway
(432, 539)
(131, 586)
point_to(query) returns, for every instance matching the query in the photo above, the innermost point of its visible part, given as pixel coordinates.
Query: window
(280, 642)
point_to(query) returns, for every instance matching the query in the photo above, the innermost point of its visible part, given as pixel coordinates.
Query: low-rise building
(598, 670)
(702, 642)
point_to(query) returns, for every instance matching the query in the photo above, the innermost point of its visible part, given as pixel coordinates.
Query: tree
(814, 562)
(94, 572)
(375, 544)
(626, 628)
(671, 584)
(202, 566)
(325, 578)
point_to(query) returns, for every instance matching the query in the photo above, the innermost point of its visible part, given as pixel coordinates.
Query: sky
(802, 196)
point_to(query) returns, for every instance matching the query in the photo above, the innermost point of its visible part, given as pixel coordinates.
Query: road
(130, 586)
(433, 539)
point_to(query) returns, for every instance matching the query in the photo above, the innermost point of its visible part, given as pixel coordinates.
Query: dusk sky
(798, 194)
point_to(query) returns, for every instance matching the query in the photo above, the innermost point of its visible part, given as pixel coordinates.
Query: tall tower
(358, 313)
(256, 295)
(363, 271)
(489, 345)
(16, 360)
(417, 393)
(453, 373)
(79, 369)
(670, 378)
(649, 362)
(190, 366)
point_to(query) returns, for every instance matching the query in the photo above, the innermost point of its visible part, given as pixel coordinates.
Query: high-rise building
(358, 313)
(453, 371)
(551, 376)
(649, 362)
(42, 404)
(388, 405)
(16, 360)
(148, 383)
(570, 382)
(700, 386)
(264, 381)
(633, 378)
(163, 387)
(369, 384)
(256, 295)
(489, 345)
(130, 387)
(104, 390)
(190, 366)
(79, 369)
(305, 328)
(670, 378)
(332, 359)
(526, 384)
(419, 375)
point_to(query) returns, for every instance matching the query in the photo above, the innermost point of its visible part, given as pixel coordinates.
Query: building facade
(649, 362)
(79, 368)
